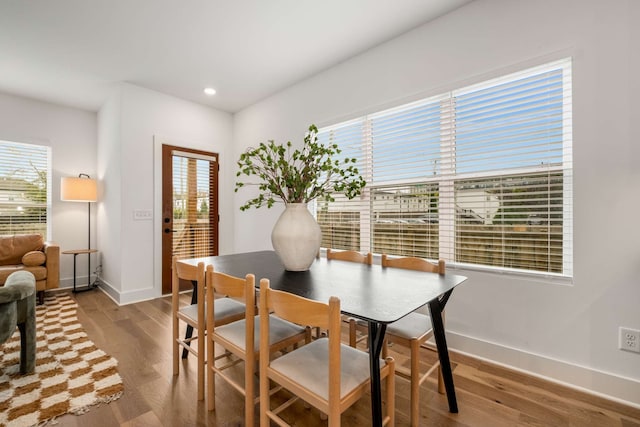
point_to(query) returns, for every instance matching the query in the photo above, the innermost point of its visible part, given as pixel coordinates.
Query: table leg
(89, 285)
(376, 339)
(189, 332)
(435, 308)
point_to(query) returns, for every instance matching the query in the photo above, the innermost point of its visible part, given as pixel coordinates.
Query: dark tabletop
(368, 292)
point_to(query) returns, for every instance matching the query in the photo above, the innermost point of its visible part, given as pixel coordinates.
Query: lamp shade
(78, 189)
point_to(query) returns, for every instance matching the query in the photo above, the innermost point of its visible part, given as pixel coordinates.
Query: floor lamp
(81, 189)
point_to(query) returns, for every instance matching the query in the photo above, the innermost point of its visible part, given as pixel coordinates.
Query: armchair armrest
(52, 251)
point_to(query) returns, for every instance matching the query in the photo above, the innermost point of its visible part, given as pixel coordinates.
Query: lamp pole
(88, 237)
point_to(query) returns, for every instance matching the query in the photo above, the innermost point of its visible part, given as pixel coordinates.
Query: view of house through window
(479, 176)
(24, 193)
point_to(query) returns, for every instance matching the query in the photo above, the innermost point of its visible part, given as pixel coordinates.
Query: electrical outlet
(629, 340)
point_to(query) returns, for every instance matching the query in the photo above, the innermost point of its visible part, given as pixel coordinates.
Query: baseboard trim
(603, 384)
(81, 282)
(129, 297)
(109, 291)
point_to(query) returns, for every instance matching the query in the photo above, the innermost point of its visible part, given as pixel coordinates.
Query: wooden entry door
(189, 206)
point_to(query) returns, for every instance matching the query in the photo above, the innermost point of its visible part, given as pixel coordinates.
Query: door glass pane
(192, 228)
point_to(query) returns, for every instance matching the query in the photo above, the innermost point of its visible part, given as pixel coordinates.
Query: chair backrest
(413, 263)
(302, 311)
(183, 271)
(297, 309)
(352, 256)
(230, 286)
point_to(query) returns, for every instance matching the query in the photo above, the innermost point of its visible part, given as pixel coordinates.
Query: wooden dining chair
(239, 338)
(354, 324)
(194, 315)
(413, 331)
(351, 256)
(326, 374)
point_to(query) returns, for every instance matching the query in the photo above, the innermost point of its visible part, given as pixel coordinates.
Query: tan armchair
(31, 253)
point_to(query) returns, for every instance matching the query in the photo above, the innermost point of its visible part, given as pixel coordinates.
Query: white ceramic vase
(296, 237)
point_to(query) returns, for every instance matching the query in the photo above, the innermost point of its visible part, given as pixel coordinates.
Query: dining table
(376, 295)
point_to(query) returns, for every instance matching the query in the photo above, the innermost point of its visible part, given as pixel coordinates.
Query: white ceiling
(71, 52)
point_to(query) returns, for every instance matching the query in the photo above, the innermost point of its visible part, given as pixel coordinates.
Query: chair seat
(279, 330)
(411, 326)
(223, 307)
(309, 365)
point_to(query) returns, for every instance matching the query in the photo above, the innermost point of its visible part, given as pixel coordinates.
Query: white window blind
(346, 223)
(192, 225)
(406, 143)
(24, 193)
(478, 176)
(406, 220)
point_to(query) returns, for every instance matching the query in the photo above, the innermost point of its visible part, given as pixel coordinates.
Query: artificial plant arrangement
(301, 176)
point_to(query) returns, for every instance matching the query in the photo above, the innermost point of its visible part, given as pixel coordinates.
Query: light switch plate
(142, 214)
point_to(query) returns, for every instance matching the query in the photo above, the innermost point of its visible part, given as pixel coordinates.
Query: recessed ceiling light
(210, 91)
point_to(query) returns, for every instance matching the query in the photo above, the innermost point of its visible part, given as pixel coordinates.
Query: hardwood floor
(139, 337)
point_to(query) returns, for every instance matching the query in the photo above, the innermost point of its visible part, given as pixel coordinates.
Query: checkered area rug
(71, 374)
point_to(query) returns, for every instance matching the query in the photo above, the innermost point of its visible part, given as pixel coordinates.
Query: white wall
(71, 134)
(109, 172)
(129, 123)
(568, 332)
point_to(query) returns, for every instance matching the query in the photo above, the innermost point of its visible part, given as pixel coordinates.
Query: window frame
(447, 177)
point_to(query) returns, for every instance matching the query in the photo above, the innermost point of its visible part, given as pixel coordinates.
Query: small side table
(75, 253)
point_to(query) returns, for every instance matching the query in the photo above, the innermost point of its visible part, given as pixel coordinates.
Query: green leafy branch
(299, 176)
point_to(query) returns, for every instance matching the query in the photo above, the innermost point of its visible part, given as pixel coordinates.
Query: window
(478, 176)
(24, 193)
